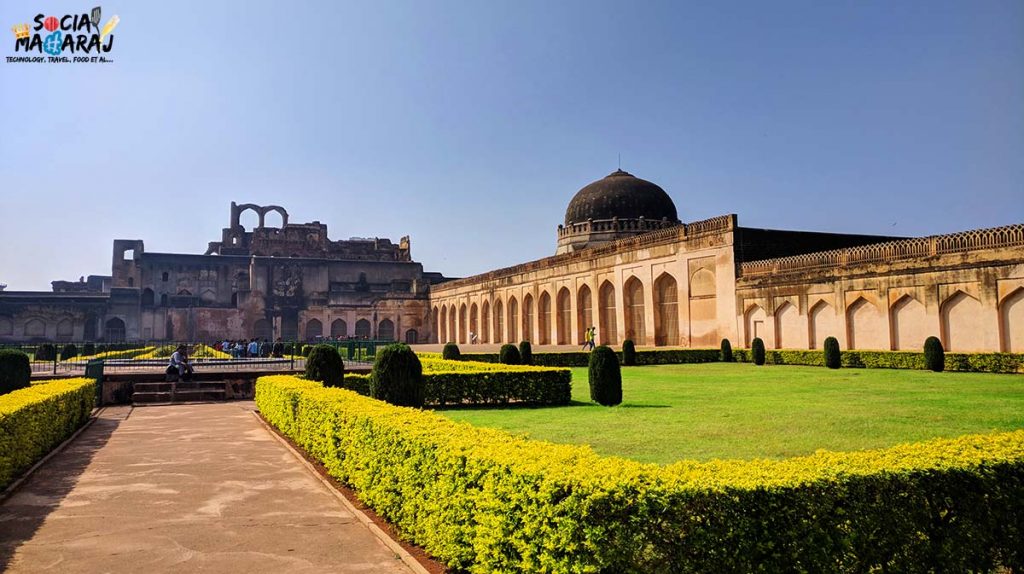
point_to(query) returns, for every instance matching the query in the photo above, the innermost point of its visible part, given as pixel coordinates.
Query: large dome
(620, 195)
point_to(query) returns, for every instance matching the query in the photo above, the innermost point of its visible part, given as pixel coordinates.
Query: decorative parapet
(614, 225)
(681, 232)
(906, 249)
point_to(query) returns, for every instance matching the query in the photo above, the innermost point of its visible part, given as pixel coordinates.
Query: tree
(605, 377)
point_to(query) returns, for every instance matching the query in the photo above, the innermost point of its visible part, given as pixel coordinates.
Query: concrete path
(184, 488)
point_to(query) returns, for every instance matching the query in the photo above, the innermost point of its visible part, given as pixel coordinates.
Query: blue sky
(470, 125)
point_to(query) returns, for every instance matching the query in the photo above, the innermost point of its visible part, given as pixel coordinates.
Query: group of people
(589, 339)
(252, 348)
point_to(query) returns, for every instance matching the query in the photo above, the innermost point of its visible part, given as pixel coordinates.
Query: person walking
(588, 339)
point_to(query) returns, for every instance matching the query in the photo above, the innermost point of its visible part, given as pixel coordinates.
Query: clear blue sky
(469, 125)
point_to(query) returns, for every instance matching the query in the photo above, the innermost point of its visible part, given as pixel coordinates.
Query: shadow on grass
(506, 407)
(636, 406)
(31, 503)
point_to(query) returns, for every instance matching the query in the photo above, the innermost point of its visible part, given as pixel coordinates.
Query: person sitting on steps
(180, 364)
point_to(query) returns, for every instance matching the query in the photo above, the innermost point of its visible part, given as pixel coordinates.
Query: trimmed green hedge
(484, 500)
(582, 358)
(36, 419)
(964, 362)
(490, 387)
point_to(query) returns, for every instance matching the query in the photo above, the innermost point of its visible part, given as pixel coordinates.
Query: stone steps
(168, 393)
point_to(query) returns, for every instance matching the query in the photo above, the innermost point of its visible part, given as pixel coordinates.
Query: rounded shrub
(325, 365)
(725, 355)
(757, 351)
(451, 352)
(15, 370)
(628, 353)
(46, 352)
(605, 377)
(934, 355)
(88, 349)
(525, 353)
(833, 358)
(70, 351)
(307, 349)
(509, 355)
(397, 377)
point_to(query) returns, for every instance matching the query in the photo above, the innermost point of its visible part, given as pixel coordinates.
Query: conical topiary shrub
(525, 353)
(46, 352)
(397, 377)
(15, 370)
(628, 353)
(70, 351)
(833, 358)
(725, 355)
(605, 377)
(88, 349)
(934, 355)
(451, 352)
(509, 354)
(757, 351)
(324, 364)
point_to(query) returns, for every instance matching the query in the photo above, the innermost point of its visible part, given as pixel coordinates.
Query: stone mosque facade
(624, 263)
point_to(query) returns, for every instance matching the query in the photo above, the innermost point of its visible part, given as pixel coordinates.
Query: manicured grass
(718, 410)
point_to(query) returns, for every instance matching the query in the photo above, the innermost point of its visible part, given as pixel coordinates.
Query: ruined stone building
(290, 281)
(626, 264)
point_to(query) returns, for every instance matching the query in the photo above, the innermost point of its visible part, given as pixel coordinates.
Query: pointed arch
(633, 301)
(666, 310)
(499, 321)
(442, 325)
(148, 297)
(1011, 319)
(462, 324)
(115, 330)
(386, 330)
(909, 324)
(584, 312)
(363, 329)
(453, 333)
(756, 322)
(544, 318)
(608, 331)
(474, 322)
(788, 331)
(866, 326)
(513, 320)
(485, 322)
(563, 317)
(963, 324)
(314, 329)
(65, 329)
(528, 317)
(822, 323)
(339, 328)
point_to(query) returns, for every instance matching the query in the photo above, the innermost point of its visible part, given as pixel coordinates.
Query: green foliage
(833, 358)
(15, 370)
(35, 419)
(307, 349)
(628, 353)
(934, 354)
(726, 351)
(483, 500)
(70, 351)
(397, 376)
(88, 349)
(46, 352)
(324, 364)
(509, 355)
(451, 352)
(486, 388)
(525, 353)
(605, 377)
(757, 351)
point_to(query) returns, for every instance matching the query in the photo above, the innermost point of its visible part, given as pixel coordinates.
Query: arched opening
(339, 328)
(822, 324)
(411, 337)
(442, 325)
(485, 323)
(756, 325)
(262, 329)
(963, 325)
(363, 329)
(608, 331)
(163, 299)
(584, 313)
(634, 307)
(268, 218)
(386, 330)
(453, 333)
(474, 323)
(65, 330)
(131, 282)
(544, 319)
(703, 308)
(528, 329)
(234, 299)
(499, 321)
(89, 331)
(866, 326)
(35, 328)
(910, 325)
(147, 297)
(314, 330)
(164, 276)
(462, 324)
(563, 324)
(788, 332)
(513, 320)
(6, 327)
(249, 218)
(666, 310)
(1011, 318)
(115, 330)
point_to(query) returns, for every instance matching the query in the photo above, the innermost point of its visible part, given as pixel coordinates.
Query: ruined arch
(756, 326)
(1011, 319)
(788, 331)
(544, 319)
(909, 324)
(264, 211)
(633, 301)
(962, 323)
(339, 328)
(314, 329)
(866, 326)
(608, 331)
(584, 312)
(386, 330)
(822, 323)
(666, 310)
(499, 321)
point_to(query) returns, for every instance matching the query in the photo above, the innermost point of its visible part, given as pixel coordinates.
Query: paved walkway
(184, 488)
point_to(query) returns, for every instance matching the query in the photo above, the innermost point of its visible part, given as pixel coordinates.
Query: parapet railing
(672, 234)
(978, 239)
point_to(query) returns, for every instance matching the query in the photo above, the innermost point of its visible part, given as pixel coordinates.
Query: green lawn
(673, 412)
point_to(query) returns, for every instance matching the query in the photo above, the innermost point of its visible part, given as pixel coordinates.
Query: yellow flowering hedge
(485, 500)
(36, 419)
(119, 354)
